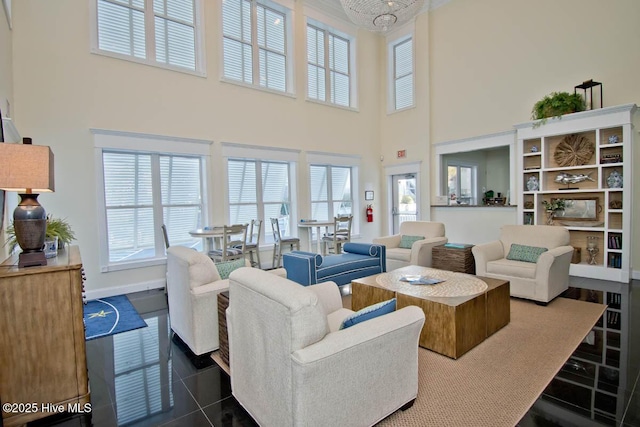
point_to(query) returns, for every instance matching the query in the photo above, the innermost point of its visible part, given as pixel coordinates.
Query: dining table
(310, 224)
(211, 237)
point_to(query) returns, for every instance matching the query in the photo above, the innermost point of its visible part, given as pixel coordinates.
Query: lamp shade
(26, 167)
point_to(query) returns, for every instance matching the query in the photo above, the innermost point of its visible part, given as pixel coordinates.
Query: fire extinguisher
(369, 213)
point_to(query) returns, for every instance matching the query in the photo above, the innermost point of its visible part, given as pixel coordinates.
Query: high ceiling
(334, 7)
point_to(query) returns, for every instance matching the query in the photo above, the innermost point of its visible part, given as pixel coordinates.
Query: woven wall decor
(574, 150)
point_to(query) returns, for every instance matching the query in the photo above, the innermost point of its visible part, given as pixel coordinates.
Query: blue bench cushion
(347, 266)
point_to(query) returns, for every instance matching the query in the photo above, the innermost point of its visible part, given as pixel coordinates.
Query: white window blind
(126, 27)
(145, 190)
(259, 190)
(328, 66)
(255, 44)
(403, 74)
(331, 192)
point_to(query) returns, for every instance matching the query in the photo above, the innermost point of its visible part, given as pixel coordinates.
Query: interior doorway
(404, 195)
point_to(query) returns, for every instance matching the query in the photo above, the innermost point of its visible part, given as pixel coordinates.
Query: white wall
(62, 90)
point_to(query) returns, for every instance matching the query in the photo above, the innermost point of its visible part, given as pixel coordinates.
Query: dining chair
(341, 234)
(234, 238)
(279, 241)
(165, 236)
(252, 245)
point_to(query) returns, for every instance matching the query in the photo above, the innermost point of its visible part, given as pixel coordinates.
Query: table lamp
(28, 170)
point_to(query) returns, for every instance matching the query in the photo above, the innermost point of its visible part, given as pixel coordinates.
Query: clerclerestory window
(164, 33)
(256, 44)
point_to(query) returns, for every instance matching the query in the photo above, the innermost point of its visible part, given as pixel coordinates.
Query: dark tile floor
(145, 378)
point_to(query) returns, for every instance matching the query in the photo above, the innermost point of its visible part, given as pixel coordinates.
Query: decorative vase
(533, 184)
(614, 180)
(592, 249)
(550, 217)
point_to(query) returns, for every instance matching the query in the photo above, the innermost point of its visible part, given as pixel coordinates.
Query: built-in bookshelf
(585, 159)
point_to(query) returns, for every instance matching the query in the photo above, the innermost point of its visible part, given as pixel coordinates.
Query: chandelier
(381, 15)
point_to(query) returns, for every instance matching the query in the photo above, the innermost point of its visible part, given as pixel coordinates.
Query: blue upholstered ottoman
(358, 260)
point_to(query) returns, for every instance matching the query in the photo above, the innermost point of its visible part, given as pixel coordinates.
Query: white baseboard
(119, 290)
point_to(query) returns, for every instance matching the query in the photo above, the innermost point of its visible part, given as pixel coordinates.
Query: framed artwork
(368, 195)
(579, 209)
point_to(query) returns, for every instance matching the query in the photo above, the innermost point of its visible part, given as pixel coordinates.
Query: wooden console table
(42, 342)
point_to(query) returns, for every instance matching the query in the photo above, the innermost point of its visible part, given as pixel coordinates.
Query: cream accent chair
(193, 285)
(541, 281)
(291, 366)
(420, 252)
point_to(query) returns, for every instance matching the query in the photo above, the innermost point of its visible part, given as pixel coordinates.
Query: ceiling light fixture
(381, 15)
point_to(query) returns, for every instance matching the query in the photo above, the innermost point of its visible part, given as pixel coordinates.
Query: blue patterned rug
(109, 316)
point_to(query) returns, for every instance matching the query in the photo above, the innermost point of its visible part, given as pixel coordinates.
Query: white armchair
(419, 252)
(540, 281)
(193, 285)
(292, 366)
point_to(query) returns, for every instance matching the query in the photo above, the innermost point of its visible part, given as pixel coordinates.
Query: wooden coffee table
(453, 325)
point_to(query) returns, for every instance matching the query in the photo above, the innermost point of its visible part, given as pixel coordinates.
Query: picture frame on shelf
(579, 209)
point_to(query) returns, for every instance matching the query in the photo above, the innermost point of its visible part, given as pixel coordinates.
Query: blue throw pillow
(525, 253)
(370, 312)
(226, 267)
(407, 241)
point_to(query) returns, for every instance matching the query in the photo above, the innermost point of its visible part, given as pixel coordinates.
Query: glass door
(405, 199)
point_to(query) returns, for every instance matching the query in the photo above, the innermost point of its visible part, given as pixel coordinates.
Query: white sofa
(193, 285)
(420, 252)
(541, 281)
(291, 366)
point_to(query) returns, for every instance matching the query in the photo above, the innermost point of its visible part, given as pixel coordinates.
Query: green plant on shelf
(56, 227)
(555, 105)
(553, 205)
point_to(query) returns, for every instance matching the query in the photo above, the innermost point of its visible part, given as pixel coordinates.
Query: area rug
(496, 383)
(109, 316)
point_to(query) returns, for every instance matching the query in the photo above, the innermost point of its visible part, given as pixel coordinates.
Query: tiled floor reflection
(144, 378)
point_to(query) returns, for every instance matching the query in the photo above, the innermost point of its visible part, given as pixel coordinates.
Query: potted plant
(56, 228)
(556, 104)
(552, 207)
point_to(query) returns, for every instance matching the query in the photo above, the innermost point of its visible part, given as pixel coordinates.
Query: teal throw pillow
(407, 241)
(525, 253)
(226, 267)
(370, 312)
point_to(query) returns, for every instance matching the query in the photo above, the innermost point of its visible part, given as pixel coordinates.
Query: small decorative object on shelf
(528, 204)
(533, 184)
(555, 105)
(615, 204)
(614, 180)
(613, 139)
(534, 149)
(551, 208)
(569, 178)
(611, 158)
(574, 150)
(592, 249)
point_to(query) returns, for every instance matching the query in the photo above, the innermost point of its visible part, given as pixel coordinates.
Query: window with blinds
(142, 192)
(255, 48)
(158, 32)
(331, 193)
(259, 190)
(328, 66)
(403, 74)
